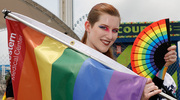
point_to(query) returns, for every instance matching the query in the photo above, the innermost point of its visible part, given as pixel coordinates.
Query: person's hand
(150, 90)
(171, 56)
(10, 98)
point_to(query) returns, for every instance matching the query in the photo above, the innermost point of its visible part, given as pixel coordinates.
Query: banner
(43, 68)
(129, 31)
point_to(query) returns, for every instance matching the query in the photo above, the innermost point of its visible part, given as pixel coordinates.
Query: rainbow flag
(43, 68)
(4, 96)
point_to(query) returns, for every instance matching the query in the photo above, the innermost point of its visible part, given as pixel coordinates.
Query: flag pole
(77, 45)
(72, 43)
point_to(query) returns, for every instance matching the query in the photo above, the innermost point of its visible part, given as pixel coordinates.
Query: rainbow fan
(149, 48)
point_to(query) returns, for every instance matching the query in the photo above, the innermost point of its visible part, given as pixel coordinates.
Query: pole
(178, 69)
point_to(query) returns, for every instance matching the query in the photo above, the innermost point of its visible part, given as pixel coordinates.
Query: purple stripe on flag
(97, 82)
(124, 86)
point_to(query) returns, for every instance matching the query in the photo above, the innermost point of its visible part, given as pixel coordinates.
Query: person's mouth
(105, 42)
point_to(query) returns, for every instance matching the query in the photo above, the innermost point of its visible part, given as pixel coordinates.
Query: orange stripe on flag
(29, 79)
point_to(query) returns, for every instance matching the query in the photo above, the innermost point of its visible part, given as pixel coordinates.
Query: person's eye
(115, 30)
(103, 27)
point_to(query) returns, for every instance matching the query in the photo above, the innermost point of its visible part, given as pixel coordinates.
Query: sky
(130, 11)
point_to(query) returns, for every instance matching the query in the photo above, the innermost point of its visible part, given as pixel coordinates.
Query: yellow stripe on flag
(46, 54)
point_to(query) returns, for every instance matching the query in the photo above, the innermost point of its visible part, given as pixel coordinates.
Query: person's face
(104, 32)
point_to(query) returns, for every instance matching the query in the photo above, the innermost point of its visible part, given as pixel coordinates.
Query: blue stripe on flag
(92, 81)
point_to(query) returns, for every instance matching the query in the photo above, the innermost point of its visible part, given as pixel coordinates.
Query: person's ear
(87, 26)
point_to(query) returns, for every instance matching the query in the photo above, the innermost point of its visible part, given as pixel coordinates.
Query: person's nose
(109, 35)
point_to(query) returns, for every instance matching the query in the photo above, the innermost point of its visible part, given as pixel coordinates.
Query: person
(101, 30)
(9, 89)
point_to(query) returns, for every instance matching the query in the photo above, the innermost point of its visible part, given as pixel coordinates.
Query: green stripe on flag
(64, 73)
(46, 54)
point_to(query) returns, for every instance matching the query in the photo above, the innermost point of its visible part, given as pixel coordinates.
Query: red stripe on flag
(16, 52)
(25, 75)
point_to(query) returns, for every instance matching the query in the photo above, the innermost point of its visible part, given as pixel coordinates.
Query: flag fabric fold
(43, 68)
